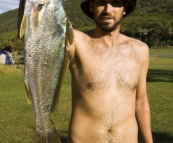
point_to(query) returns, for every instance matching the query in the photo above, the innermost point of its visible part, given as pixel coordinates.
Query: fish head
(33, 11)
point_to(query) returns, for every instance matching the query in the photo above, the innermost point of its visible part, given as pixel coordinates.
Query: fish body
(46, 32)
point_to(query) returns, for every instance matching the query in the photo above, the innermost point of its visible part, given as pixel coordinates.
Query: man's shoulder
(136, 42)
(138, 46)
(80, 34)
(80, 39)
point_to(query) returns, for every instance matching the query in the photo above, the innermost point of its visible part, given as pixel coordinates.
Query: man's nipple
(90, 85)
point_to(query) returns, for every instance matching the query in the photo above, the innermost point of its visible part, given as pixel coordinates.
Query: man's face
(107, 13)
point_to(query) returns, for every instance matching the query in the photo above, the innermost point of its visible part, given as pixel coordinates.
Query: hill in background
(151, 22)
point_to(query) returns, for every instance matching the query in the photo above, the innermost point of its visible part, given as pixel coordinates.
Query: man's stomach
(102, 127)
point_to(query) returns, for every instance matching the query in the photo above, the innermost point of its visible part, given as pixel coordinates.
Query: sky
(6, 5)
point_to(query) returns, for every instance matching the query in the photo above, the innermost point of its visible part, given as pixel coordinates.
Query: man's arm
(142, 103)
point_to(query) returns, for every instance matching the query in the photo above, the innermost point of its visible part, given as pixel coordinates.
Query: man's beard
(105, 26)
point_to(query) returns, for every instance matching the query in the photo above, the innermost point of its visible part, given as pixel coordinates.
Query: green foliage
(8, 22)
(76, 16)
(8, 31)
(155, 16)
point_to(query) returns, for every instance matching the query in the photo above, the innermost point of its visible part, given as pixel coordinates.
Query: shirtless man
(109, 97)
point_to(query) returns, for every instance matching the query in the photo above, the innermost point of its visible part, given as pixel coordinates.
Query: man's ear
(91, 6)
(126, 5)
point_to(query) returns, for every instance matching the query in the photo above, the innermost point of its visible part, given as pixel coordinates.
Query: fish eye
(40, 5)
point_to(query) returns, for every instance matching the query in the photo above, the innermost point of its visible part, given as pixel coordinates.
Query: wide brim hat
(85, 7)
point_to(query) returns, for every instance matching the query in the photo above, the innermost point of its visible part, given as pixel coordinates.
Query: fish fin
(22, 27)
(69, 38)
(20, 16)
(28, 96)
(35, 17)
(28, 93)
(61, 76)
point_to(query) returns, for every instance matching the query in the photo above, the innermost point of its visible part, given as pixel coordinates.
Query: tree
(145, 33)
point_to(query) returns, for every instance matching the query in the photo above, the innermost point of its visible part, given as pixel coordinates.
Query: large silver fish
(46, 32)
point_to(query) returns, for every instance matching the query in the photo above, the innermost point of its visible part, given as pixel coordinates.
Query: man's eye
(101, 1)
(116, 3)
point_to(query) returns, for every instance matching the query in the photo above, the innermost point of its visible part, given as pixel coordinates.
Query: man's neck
(110, 39)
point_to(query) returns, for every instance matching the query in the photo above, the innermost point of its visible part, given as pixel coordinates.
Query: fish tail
(50, 138)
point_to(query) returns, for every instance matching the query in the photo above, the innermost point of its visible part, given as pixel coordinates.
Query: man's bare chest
(100, 69)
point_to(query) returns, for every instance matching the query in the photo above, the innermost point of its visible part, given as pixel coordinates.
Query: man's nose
(108, 8)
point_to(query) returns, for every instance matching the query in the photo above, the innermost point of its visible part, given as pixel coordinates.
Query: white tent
(6, 58)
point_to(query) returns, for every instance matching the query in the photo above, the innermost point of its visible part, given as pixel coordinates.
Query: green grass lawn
(160, 92)
(160, 96)
(17, 124)
(161, 51)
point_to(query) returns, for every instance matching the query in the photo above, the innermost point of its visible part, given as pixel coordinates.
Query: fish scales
(45, 26)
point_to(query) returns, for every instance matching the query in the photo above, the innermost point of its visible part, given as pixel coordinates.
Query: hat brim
(85, 8)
